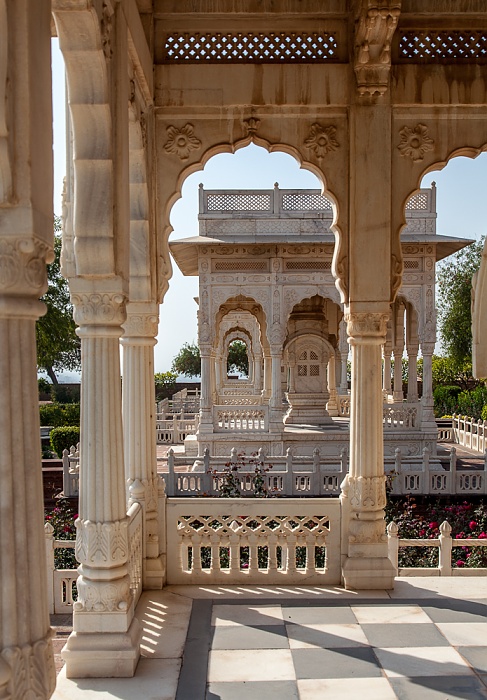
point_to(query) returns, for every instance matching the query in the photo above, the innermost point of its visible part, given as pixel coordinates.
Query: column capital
(98, 308)
(366, 327)
(142, 321)
(23, 265)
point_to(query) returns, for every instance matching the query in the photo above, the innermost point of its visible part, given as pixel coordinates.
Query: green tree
(165, 384)
(454, 285)
(58, 346)
(188, 361)
(237, 358)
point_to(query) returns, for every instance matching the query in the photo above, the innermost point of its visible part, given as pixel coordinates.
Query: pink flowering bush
(62, 519)
(421, 518)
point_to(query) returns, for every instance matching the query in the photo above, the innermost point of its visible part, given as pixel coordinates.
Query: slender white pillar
(366, 565)
(386, 382)
(332, 405)
(26, 658)
(275, 402)
(412, 373)
(106, 636)
(139, 432)
(258, 373)
(267, 376)
(428, 420)
(206, 417)
(343, 346)
(398, 351)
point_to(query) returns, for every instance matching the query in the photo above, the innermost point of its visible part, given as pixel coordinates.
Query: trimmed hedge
(64, 438)
(58, 414)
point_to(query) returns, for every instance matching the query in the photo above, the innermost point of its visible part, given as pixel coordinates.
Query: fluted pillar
(332, 405)
(106, 635)
(26, 658)
(398, 351)
(427, 401)
(275, 402)
(139, 432)
(366, 564)
(206, 416)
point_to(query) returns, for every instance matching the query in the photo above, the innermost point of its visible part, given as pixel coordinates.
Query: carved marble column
(267, 377)
(387, 352)
(332, 405)
(206, 415)
(275, 402)
(427, 401)
(139, 431)
(26, 659)
(258, 373)
(398, 351)
(106, 636)
(412, 347)
(366, 565)
(343, 347)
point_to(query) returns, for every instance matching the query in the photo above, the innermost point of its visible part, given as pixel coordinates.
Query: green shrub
(483, 415)
(44, 387)
(446, 400)
(471, 403)
(63, 393)
(58, 414)
(63, 438)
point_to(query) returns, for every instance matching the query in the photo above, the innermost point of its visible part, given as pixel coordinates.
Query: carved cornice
(375, 25)
(98, 309)
(23, 266)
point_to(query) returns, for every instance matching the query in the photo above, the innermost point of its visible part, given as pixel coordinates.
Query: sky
(461, 207)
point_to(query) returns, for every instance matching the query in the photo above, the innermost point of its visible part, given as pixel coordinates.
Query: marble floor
(426, 640)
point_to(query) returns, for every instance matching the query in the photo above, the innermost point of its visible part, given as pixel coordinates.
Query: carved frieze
(181, 141)
(94, 309)
(367, 493)
(415, 142)
(321, 140)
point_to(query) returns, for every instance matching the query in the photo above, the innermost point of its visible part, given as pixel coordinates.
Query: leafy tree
(237, 358)
(454, 284)
(188, 361)
(165, 384)
(447, 371)
(58, 346)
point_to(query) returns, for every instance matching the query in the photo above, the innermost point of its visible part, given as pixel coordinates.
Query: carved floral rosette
(367, 493)
(99, 308)
(32, 670)
(23, 265)
(103, 545)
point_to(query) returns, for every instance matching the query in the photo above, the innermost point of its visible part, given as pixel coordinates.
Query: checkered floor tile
(313, 650)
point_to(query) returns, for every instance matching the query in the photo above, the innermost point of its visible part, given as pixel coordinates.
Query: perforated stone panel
(411, 264)
(239, 202)
(308, 265)
(465, 46)
(250, 47)
(259, 265)
(417, 201)
(305, 202)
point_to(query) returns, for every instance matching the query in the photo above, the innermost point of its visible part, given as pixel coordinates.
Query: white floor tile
(346, 689)
(250, 665)
(464, 634)
(369, 614)
(225, 615)
(422, 661)
(325, 636)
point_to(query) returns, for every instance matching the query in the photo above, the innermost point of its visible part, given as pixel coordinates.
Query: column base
(368, 573)
(154, 574)
(103, 654)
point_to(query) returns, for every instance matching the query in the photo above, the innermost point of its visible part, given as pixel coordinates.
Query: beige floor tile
(164, 618)
(155, 679)
(346, 689)
(369, 614)
(250, 665)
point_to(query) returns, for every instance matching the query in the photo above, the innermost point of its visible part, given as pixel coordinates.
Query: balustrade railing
(401, 416)
(240, 419)
(236, 541)
(174, 431)
(470, 433)
(444, 543)
(62, 592)
(71, 472)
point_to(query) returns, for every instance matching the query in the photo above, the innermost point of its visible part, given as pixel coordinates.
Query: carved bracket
(375, 25)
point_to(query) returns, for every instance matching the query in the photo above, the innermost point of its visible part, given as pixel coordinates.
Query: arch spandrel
(185, 146)
(423, 145)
